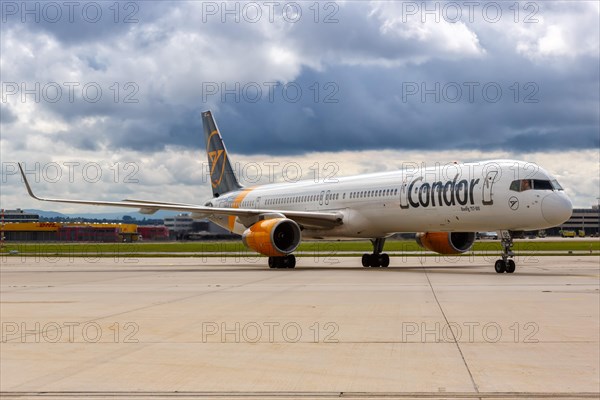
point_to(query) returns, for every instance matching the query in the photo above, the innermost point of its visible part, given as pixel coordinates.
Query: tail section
(222, 177)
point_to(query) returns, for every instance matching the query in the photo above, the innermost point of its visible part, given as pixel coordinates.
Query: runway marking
(312, 395)
(36, 302)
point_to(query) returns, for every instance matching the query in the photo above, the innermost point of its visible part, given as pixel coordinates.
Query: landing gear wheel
(499, 266)
(506, 264)
(290, 261)
(366, 260)
(377, 258)
(282, 262)
(510, 266)
(384, 260)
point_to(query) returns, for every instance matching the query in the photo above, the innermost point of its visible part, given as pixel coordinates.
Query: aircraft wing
(309, 219)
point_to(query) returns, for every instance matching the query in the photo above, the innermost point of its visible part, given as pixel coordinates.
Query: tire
(366, 260)
(510, 266)
(375, 262)
(499, 266)
(272, 262)
(384, 260)
(290, 261)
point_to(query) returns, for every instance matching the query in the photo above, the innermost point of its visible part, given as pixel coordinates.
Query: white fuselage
(465, 197)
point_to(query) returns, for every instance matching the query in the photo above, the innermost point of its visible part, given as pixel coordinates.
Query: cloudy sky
(104, 101)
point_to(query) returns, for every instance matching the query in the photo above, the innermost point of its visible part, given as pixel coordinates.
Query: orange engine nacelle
(446, 242)
(274, 237)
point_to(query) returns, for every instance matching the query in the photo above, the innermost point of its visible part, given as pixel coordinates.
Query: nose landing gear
(377, 259)
(506, 264)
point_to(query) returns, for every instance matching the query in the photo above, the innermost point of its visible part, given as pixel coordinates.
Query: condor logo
(216, 158)
(439, 193)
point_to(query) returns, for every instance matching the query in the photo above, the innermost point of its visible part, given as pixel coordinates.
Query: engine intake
(274, 237)
(446, 242)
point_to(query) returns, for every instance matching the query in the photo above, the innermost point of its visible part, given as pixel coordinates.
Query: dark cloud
(73, 23)
(6, 115)
(355, 76)
(538, 107)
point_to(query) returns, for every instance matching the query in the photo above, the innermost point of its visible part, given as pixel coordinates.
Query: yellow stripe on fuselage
(236, 204)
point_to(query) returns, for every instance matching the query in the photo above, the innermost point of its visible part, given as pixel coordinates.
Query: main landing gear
(288, 261)
(377, 259)
(506, 264)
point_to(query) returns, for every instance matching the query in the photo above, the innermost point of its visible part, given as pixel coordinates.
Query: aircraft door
(327, 194)
(321, 197)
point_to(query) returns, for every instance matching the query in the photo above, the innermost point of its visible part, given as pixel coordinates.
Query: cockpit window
(556, 185)
(539, 184)
(521, 185)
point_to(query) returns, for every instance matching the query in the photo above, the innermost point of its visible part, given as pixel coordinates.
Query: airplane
(446, 205)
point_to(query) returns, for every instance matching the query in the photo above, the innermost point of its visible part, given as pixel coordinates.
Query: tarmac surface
(435, 327)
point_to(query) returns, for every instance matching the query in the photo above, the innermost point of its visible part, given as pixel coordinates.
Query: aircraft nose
(556, 208)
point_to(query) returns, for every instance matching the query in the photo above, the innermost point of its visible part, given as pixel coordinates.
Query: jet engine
(274, 237)
(446, 242)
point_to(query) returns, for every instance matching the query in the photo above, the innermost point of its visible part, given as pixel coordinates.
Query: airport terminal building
(22, 226)
(585, 220)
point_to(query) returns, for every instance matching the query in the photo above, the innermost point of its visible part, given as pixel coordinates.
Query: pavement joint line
(453, 336)
(286, 281)
(340, 343)
(316, 395)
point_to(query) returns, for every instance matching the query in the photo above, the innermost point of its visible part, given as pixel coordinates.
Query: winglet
(27, 183)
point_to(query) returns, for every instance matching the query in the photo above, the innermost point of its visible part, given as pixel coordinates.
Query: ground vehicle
(565, 233)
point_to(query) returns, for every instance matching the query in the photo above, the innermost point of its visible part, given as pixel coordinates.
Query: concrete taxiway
(188, 327)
